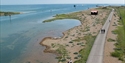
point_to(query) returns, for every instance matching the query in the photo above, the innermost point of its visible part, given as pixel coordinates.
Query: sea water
(20, 36)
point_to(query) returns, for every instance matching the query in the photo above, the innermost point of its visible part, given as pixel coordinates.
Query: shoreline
(64, 41)
(56, 38)
(47, 47)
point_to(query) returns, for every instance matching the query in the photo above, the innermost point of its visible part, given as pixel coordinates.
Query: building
(94, 12)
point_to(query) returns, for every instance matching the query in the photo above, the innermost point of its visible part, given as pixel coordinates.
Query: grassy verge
(120, 45)
(85, 52)
(8, 13)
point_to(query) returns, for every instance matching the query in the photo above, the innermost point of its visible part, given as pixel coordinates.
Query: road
(96, 54)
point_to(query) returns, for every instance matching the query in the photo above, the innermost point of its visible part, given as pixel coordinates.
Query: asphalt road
(96, 54)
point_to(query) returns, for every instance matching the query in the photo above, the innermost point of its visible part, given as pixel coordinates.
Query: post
(10, 17)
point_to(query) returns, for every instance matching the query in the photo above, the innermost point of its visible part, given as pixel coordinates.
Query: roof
(94, 11)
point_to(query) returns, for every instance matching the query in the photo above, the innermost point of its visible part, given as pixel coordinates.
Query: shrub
(79, 55)
(53, 45)
(70, 42)
(75, 57)
(114, 32)
(58, 57)
(111, 40)
(67, 45)
(82, 44)
(78, 43)
(66, 37)
(75, 53)
(62, 60)
(118, 49)
(120, 58)
(68, 57)
(115, 54)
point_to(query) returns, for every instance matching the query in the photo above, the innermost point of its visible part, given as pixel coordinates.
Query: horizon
(27, 2)
(66, 3)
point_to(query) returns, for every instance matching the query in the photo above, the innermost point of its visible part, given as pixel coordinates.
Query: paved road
(96, 54)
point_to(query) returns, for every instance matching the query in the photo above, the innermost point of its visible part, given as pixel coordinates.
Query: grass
(78, 39)
(8, 13)
(114, 24)
(111, 40)
(63, 53)
(114, 31)
(63, 16)
(75, 53)
(71, 42)
(73, 15)
(84, 53)
(75, 57)
(53, 45)
(120, 31)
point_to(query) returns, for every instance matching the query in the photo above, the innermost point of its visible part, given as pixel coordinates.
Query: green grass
(75, 53)
(120, 45)
(111, 40)
(63, 16)
(78, 39)
(73, 15)
(114, 31)
(8, 13)
(84, 53)
(62, 52)
(115, 54)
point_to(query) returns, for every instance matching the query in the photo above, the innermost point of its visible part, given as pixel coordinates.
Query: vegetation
(84, 53)
(63, 53)
(78, 39)
(53, 45)
(111, 40)
(114, 31)
(70, 42)
(8, 13)
(120, 45)
(64, 16)
(115, 54)
(75, 53)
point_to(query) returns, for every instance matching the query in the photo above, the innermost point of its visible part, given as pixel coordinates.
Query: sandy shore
(109, 45)
(73, 39)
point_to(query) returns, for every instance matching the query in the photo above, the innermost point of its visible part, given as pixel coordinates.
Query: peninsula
(2, 13)
(76, 43)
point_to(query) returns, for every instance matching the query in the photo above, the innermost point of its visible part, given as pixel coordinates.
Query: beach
(56, 33)
(68, 47)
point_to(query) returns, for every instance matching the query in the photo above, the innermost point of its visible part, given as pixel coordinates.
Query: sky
(13, 2)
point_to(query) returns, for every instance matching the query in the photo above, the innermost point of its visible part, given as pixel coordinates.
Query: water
(20, 37)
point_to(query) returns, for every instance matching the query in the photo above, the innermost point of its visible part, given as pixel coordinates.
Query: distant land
(2, 13)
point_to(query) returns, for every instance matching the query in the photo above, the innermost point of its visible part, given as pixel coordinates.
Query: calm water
(20, 37)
